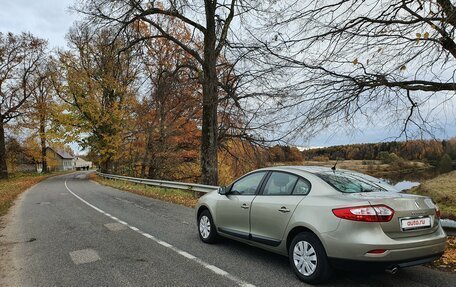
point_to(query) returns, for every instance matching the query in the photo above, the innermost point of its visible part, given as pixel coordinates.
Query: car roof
(294, 168)
(315, 170)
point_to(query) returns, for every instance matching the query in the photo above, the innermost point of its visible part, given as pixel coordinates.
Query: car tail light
(437, 211)
(368, 213)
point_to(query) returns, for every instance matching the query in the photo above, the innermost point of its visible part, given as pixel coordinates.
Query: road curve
(70, 231)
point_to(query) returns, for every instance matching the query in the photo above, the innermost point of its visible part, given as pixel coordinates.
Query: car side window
(248, 184)
(302, 187)
(280, 183)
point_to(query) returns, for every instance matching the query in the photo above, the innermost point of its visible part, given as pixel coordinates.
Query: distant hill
(428, 150)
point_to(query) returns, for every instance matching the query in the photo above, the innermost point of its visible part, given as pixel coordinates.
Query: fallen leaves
(448, 261)
(12, 187)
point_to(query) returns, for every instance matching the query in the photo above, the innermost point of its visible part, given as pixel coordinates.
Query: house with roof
(82, 164)
(59, 160)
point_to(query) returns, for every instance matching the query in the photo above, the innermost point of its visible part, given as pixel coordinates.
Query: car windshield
(349, 183)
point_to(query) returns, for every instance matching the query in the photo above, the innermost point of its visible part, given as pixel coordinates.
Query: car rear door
(274, 206)
(233, 210)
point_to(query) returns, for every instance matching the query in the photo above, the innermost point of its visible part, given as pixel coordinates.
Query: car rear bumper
(355, 245)
(346, 264)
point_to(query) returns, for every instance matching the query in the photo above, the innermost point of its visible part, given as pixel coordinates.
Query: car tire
(310, 265)
(206, 227)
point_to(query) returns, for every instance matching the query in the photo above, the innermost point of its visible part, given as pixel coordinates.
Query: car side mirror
(223, 190)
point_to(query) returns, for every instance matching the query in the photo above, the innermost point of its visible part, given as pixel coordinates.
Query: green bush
(445, 164)
(390, 158)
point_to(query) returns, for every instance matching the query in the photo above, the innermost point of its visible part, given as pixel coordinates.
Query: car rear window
(349, 183)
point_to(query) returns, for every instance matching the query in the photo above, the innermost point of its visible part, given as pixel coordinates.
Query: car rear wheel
(308, 258)
(206, 227)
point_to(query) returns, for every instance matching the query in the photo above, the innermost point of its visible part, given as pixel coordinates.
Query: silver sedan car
(324, 218)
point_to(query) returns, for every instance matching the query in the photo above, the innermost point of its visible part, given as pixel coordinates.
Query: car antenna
(334, 167)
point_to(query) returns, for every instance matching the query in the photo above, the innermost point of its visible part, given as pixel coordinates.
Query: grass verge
(177, 196)
(10, 188)
(442, 189)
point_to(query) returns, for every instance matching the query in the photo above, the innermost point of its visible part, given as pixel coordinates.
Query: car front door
(233, 210)
(272, 209)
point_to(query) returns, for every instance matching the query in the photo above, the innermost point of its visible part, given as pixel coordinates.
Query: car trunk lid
(414, 215)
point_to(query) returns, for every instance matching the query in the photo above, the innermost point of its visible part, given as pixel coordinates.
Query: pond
(405, 184)
(403, 180)
(412, 175)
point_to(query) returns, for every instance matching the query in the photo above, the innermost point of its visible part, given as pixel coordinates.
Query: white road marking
(166, 244)
(187, 255)
(133, 228)
(149, 236)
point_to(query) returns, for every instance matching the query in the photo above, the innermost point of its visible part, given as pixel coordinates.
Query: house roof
(63, 154)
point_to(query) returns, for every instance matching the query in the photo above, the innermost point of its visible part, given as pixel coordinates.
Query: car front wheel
(206, 227)
(308, 258)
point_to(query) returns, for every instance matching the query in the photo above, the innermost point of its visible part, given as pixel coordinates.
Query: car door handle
(245, 206)
(283, 209)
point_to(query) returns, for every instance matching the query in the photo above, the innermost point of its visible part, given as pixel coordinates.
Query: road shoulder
(8, 241)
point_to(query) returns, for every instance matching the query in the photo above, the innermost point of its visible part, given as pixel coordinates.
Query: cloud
(49, 19)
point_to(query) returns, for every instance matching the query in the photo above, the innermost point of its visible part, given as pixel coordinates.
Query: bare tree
(210, 23)
(19, 58)
(390, 60)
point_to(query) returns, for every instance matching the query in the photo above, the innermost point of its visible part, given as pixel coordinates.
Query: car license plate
(415, 223)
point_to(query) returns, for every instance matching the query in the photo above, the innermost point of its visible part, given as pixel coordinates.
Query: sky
(51, 20)
(48, 19)
(371, 134)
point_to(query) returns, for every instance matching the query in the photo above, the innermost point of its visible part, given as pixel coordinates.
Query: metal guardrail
(449, 225)
(163, 183)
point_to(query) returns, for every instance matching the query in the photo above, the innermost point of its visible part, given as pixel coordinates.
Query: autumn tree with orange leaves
(97, 83)
(169, 113)
(41, 119)
(19, 58)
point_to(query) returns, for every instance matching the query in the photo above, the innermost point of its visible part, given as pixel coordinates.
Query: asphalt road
(69, 231)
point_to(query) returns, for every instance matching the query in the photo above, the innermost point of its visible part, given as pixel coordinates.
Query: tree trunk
(43, 146)
(209, 142)
(105, 165)
(3, 166)
(146, 154)
(152, 173)
(161, 144)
